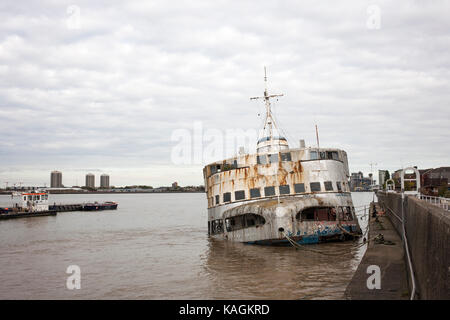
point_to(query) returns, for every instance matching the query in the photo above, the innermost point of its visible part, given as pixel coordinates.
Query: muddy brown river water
(155, 246)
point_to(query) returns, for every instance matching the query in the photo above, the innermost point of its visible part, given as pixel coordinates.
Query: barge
(94, 206)
(109, 205)
(279, 192)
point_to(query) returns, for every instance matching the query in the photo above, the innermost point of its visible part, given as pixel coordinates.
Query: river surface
(155, 246)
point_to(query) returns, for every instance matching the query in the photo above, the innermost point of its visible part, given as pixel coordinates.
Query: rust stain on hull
(279, 211)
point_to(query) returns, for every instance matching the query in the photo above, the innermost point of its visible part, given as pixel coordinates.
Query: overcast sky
(102, 87)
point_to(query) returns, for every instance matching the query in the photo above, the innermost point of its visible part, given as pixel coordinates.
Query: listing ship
(279, 194)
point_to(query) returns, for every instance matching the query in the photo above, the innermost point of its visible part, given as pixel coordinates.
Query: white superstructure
(34, 201)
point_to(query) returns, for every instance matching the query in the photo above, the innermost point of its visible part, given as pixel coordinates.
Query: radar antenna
(269, 122)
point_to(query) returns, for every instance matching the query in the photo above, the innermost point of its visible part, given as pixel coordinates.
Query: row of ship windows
(283, 190)
(286, 156)
(253, 220)
(35, 197)
(324, 155)
(274, 158)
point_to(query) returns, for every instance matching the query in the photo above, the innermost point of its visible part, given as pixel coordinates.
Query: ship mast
(269, 123)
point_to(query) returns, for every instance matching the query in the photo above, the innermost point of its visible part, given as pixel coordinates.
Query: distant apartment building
(104, 181)
(382, 177)
(409, 185)
(396, 176)
(355, 180)
(90, 180)
(432, 180)
(56, 179)
(358, 182)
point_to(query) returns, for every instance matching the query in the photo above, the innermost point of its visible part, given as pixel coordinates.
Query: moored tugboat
(27, 204)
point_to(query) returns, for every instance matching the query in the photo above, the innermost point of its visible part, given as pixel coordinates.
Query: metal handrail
(405, 243)
(392, 211)
(441, 202)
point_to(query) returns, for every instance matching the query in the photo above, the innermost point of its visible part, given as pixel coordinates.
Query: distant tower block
(56, 179)
(90, 180)
(302, 144)
(104, 181)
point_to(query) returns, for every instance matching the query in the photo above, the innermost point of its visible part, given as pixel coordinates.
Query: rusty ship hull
(261, 198)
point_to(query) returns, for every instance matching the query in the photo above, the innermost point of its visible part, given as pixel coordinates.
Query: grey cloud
(110, 94)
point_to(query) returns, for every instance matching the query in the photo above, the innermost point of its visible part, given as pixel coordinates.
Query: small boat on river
(27, 204)
(109, 205)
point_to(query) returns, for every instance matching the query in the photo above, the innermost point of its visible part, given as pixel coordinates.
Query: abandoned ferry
(278, 192)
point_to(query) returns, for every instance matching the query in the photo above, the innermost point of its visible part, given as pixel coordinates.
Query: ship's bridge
(272, 144)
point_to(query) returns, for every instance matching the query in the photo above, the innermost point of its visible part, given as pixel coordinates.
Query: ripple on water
(156, 247)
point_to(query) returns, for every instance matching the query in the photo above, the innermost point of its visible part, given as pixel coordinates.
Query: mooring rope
(350, 233)
(339, 252)
(297, 245)
(322, 252)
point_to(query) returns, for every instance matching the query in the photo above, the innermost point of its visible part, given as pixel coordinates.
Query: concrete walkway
(390, 259)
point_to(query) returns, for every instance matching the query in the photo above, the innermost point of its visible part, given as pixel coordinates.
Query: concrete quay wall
(428, 232)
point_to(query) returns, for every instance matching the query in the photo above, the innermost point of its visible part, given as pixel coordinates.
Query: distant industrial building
(104, 181)
(56, 179)
(90, 180)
